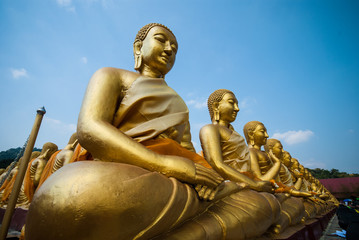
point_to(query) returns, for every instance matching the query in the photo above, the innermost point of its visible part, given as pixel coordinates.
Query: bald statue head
(287, 159)
(141, 39)
(48, 149)
(73, 138)
(216, 97)
(35, 154)
(276, 147)
(249, 130)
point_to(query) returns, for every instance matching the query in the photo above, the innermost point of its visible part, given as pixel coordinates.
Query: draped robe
(135, 203)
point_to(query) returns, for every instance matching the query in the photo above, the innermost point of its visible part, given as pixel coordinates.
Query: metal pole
(21, 173)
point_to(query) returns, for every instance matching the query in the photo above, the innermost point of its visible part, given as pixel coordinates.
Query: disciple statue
(146, 179)
(59, 159)
(266, 166)
(297, 177)
(33, 174)
(285, 177)
(7, 186)
(228, 154)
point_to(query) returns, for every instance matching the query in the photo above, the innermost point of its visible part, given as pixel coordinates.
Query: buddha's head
(73, 141)
(222, 106)
(255, 133)
(295, 164)
(301, 169)
(155, 49)
(73, 138)
(48, 149)
(287, 159)
(276, 147)
(35, 154)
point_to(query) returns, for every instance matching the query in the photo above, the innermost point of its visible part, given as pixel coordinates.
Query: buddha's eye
(174, 47)
(160, 38)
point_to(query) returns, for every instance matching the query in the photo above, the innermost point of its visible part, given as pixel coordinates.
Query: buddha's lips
(165, 58)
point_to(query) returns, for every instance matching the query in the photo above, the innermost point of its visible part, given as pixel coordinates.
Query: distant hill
(334, 173)
(6, 157)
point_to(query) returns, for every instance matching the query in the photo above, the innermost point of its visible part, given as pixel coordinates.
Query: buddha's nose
(236, 108)
(168, 49)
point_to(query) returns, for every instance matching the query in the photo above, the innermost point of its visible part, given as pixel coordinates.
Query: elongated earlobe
(138, 56)
(216, 115)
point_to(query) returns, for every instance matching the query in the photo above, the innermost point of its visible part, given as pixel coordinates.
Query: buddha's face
(277, 150)
(287, 159)
(260, 135)
(301, 169)
(159, 50)
(228, 108)
(295, 163)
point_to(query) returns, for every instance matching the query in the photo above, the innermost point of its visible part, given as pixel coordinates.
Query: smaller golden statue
(7, 186)
(59, 159)
(266, 166)
(285, 177)
(33, 174)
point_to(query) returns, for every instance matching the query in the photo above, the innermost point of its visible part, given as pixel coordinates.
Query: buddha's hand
(273, 157)
(207, 182)
(263, 186)
(187, 171)
(207, 176)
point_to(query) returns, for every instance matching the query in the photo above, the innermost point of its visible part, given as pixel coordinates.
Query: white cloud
(17, 73)
(60, 126)
(67, 4)
(294, 137)
(197, 104)
(64, 3)
(84, 60)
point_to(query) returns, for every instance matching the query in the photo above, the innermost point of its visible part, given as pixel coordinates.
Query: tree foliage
(334, 173)
(6, 157)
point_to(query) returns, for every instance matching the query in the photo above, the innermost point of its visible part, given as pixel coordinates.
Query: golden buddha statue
(5, 175)
(285, 177)
(7, 186)
(33, 174)
(141, 184)
(59, 159)
(228, 154)
(289, 162)
(223, 147)
(65, 154)
(266, 166)
(310, 204)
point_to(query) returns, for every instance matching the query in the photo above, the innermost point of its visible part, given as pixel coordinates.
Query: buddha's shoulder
(116, 72)
(110, 75)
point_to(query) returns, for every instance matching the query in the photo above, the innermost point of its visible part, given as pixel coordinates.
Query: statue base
(311, 230)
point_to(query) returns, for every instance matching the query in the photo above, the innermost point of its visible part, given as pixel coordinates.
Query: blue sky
(293, 65)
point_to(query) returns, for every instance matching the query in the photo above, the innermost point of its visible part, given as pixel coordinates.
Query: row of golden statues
(146, 181)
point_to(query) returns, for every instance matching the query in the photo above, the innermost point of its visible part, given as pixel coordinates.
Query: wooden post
(21, 173)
